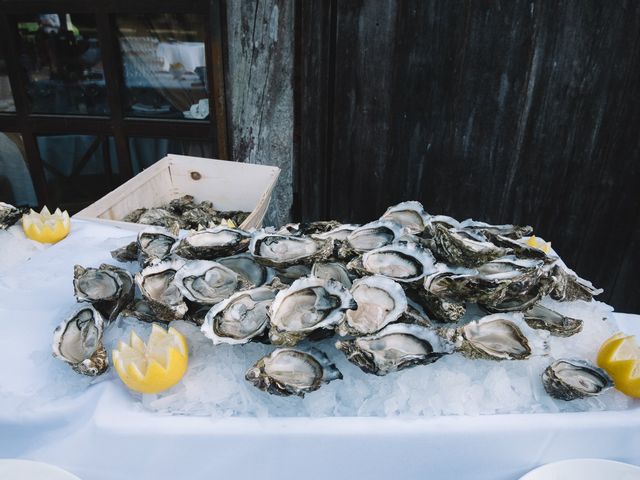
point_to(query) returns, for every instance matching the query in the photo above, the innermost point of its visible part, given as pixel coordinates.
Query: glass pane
(147, 151)
(79, 169)
(61, 56)
(16, 186)
(164, 65)
(6, 97)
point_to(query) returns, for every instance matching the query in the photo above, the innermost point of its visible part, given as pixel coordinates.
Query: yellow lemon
(619, 356)
(538, 243)
(155, 366)
(46, 227)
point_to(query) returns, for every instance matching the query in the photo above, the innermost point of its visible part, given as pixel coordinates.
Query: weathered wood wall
(505, 111)
(260, 92)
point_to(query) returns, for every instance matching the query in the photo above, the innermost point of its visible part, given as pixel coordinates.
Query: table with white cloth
(101, 432)
(189, 54)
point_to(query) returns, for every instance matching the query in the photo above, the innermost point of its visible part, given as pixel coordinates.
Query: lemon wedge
(538, 243)
(619, 356)
(153, 366)
(46, 227)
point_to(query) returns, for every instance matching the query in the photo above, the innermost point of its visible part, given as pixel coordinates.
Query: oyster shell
(247, 268)
(395, 347)
(78, 341)
(403, 262)
(207, 282)
(154, 244)
(240, 318)
(410, 215)
(128, 253)
(158, 216)
(566, 286)
(310, 228)
(541, 317)
(369, 237)
(291, 372)
(140, 309)
(440, 309)
(501, 336)
(9, 215)
(283, 251)
(156, 283)
(511, 231)
(380, 301)
(458, 247)
(572, 379)
(332, 270)
(310, 304)
(108, 288)
(339, 233)
(290, 274)
(212, 243)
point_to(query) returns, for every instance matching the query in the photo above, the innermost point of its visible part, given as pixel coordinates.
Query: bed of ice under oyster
(411, 314)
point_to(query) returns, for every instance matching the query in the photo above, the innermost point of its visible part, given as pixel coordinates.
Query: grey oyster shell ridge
(222, 242)
(359, 321)
(320, 370)
(282, 251)
(89, 357)
(108, 305)
(154, 245)
(423, 346)
(10, 215)
(556, 384)
(457, 247)
(261, 297)
(330, 302)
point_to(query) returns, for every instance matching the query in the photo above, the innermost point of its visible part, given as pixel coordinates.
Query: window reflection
(163, 59)
(61, 57)
(16, 186)
(6, 97)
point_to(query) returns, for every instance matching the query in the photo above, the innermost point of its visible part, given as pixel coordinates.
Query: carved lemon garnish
(46, 227)
(619, 356)
(538, 243)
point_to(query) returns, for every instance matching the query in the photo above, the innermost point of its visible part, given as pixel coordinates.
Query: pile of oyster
(402, 291)
(185, 213)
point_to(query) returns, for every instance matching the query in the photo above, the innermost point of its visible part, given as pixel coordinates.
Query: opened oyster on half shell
(369, 237)
(212, 243)
(108, 288)
(207, 282)
(154, 245)
(309, 306)
(240, 318)
(572, 379)
(281, 251)
(78, 341)
(396, 347)
(463, 248)
(410, 215)
(156, 283)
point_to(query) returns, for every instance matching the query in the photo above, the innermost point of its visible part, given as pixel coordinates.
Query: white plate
(584, 469)
(13, 469)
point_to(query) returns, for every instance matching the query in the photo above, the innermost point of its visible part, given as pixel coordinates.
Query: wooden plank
(259, 91)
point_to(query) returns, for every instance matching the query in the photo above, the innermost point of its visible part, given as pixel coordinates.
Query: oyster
(310, 228)
(108, 288)
(154, 244)
(212, 243)
(290, 274)
(247, 268)
(140, 309)
(158, 216)
(402, 261)
(9, 215)
(380, 301)
(128, 253)
(283, 251)
(396, 347)
(291, 372)
(207, 282)
(370, 236)
(332, 270)
(572, 379)
(339, 233)
(156, 283)
(497, 337)
(544, 318)
(566, 286)
(78, 341)
(308, 306)
(458, 247)
(240, 318)
(410, 215)
(440, 309)
(511, 231)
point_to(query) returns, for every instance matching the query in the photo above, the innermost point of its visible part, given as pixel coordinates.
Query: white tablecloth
(189, 54)
(101, 433)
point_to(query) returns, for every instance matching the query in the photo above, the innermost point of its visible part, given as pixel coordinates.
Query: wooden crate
(228, 185)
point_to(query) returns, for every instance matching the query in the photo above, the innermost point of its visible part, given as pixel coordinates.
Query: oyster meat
(108, 288)
(380, 301)
(291, 372)
(370, 236)
(78, 341)
(156, 283)
(410, 215)
(240, 318)
(332, 271)
(308, 306)
(572, 379)
(403, 262)
(283, 251)
(207, 282)
(395, 347)
(247, 268)
(212, 243)
(497, 337)
(154, 244)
